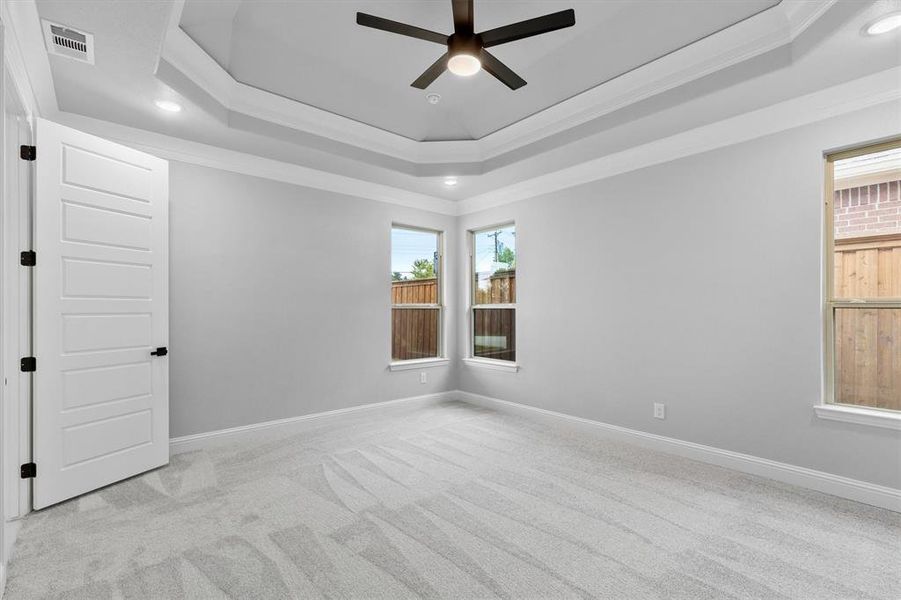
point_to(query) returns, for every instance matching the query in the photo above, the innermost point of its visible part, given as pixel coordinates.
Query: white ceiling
(313, 52)
(134, 66)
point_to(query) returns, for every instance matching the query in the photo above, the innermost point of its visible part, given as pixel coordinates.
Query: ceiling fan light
(464, 65)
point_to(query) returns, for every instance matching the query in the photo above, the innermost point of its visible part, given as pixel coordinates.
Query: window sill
(495, 365)
(419, 363)
(859, 415)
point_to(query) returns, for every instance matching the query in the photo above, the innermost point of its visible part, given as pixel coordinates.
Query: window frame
(432, 361)
(829, 408)
(470, 358)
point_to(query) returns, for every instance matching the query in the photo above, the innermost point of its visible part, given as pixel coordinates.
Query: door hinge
(28, 364)
(28, 258)
(28, 152)
(29, 470)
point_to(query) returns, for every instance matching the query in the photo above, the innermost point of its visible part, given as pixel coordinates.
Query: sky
(484, 247)
(408, 245)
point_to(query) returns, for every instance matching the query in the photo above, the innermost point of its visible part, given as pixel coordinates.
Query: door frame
(17, 125)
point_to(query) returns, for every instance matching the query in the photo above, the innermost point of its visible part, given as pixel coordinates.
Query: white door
(101, 399)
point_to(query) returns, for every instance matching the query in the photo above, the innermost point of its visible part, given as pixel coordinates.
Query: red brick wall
(868, 210)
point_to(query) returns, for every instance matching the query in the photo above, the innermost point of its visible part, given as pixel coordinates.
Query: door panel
(99, 225)
(98, 385)
(105, 279)
(101, 401)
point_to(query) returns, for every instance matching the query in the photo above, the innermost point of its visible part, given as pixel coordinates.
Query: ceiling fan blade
(528, 28)
(500, 70)
(432, 73)
(463, 16)
(400, 28)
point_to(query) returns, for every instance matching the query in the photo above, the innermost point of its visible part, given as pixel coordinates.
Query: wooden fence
(501, 289)
(868, 340)
(415, 291)
(415, 330)
(494, 330)
(414, 333)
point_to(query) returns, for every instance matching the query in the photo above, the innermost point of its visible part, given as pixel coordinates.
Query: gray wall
(697, 283)
(279, 300)
(699, 280)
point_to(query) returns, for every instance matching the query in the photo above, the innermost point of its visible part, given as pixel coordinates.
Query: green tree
(423, 269)
(508, 257)
(396, 276)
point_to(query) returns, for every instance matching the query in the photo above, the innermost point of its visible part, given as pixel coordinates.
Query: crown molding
(178, 149)
(756, 35)
(29, 67)
(834, 101)
(837, 100)
(31, 72)
(26, 58)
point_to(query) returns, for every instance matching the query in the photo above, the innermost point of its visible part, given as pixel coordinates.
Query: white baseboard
(844, 487)
(836, 485)
(198, 441)
(10, 532)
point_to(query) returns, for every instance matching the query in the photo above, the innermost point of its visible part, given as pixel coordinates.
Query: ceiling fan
(466, 53)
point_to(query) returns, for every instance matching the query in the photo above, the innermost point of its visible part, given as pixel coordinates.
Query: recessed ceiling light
(884, 24)
(464, 65)
(168, 106)
(450, 181)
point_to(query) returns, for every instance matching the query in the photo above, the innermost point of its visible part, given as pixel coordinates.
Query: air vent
(64, 41)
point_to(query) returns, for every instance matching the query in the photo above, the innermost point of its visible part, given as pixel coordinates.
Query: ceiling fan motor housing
(466, 54)
(464, 44)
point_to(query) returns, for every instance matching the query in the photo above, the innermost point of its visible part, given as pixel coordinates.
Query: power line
(495, 235)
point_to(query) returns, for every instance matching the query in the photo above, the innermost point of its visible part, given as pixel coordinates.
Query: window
(863, 277)
(493, 268)
(416, 306)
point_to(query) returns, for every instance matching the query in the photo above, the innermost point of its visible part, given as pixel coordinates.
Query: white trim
(844, 487)
(859, 415)
(10, 534)
(844, 98)
(16, 301)
(197, 441)
(418, 363)
(763, 32)
(28, 59)
(493, 365)
(840, 99)
(470, 359)
(14, 64)
(440, 304)
(182, 150)
(18, 99)
(508, 305)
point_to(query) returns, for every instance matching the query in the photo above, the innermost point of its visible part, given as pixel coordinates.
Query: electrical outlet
(659, 410)
(423, 377)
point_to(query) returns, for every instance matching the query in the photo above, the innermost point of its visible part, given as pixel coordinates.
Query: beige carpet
(452, 501)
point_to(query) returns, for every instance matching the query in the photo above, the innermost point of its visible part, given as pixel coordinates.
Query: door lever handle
(162, 351)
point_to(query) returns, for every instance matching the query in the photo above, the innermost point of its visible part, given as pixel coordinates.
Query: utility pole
(495, 235)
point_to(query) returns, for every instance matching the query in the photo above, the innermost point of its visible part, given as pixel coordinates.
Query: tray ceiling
(314, 53)
(796, 48)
